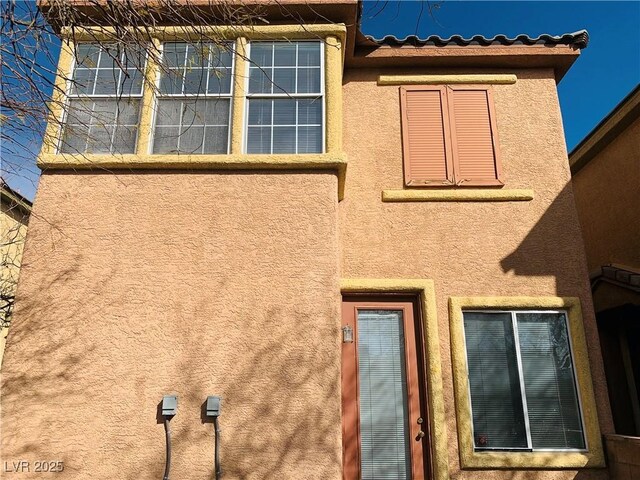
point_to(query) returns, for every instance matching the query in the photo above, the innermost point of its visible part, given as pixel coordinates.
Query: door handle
(420, 436)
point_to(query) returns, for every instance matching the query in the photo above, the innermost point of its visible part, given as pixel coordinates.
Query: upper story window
(104, 100)
(194, 99)
(522, 381)
(449, 136)
(190, 103)
(285, 98)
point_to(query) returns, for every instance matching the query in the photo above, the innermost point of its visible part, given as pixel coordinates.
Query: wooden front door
(384, 424)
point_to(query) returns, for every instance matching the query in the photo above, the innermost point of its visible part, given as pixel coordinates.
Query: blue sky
(603, 75)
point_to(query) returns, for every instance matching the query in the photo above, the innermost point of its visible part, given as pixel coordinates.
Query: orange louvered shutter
(427, 158)
(473, 135)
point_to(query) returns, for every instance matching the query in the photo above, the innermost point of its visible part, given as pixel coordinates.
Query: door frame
(415, 369)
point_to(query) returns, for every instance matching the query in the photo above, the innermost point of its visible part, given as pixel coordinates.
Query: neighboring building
(14, 219)
(369, 249)
(606, 181)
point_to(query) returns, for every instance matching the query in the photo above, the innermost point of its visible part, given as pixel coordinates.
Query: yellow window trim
(593, 457)
(333, 35)
(106, 162)
(478, 79)
(458, 195)
(426, 292)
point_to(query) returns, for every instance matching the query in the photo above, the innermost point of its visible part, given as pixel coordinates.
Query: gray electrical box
(169, 405)
(213, 406)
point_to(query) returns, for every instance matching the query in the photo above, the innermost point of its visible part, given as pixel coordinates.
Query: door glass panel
(382, 387)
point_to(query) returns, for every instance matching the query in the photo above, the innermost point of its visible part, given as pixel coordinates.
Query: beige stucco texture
(529, 248)
(607, 189)
(141, 284)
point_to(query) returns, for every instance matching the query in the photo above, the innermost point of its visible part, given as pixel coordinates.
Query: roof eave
(625, 113)
(558, 57)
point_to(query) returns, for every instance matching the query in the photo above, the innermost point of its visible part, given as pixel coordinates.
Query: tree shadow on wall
(553, 247)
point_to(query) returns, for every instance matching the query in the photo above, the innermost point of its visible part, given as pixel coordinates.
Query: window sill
(320, 161)
(458, 195)
(543, 460)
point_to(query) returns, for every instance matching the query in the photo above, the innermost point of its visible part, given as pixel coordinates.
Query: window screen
(522, 383)
(194, 99)
(104, 100)
(285, 98)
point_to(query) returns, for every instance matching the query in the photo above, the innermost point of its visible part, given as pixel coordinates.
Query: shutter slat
(473, 136)
(424, 133)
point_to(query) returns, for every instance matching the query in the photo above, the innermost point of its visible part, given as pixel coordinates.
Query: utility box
(213, 406)
(169, 405)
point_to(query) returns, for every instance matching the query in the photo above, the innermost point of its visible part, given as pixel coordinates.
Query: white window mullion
(516, 339)
(95, 79)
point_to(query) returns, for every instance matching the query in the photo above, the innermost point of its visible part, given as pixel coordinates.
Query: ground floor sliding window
(522, 381)
(385, 434)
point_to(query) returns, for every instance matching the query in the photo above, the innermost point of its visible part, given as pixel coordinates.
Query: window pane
(124, 139)
(128, 112)
(87, 55)
(131, 82)
(260, 81)
(552, 401)
(308, 54)
(309, 80)
(79, 112)
(74, 139)
(219, 81)
(108, 55)
(217, 112)
(259, 140)
(83, 82)
(192, 116)
(171, 82)
(309, 139)
(284, 80)
(285, 55)
(310, 111)
(261, 54)
(195, 80)
(260, 112)
(100, 137)
(496, 400)
(284, 140)
(191, 139)
(169, 112)
(216, 139)
(284, 112)
(382, 392)
(90, 126)
(165, 140)
(106, 82)
(193, 112)
(173, 54)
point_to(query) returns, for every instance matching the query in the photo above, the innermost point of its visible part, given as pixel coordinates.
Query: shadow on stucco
(553, 247)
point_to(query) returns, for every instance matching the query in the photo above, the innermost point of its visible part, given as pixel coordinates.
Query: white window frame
(282, 95)
(192, 96)
(523, 398)
(101, 96)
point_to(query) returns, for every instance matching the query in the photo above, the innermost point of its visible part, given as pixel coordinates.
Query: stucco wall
(607, 190)
(143, 284)
(13, 231)
(469, 249)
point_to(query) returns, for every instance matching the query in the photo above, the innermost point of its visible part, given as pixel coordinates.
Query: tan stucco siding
(607, 191)
(144, 284)
(529, 248)
(13, 231)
